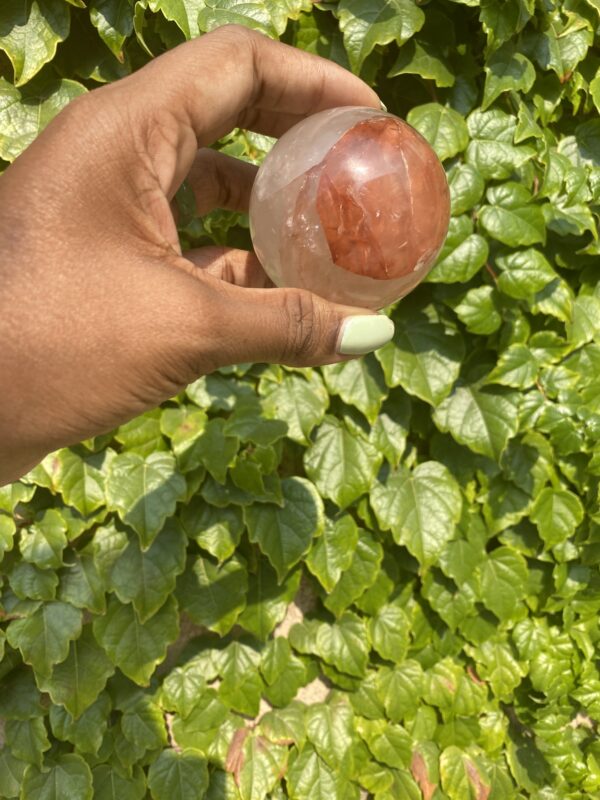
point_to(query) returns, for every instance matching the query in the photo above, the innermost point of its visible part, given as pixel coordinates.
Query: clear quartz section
(352, 204)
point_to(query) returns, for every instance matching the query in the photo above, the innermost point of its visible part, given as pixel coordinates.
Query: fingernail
(383, 106)
(362, 334)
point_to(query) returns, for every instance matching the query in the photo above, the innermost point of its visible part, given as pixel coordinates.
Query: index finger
(236, 77)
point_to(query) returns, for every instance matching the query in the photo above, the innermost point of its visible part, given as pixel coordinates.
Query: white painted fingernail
(383, 106)
(362, 334)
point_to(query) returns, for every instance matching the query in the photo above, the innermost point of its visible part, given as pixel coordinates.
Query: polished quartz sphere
(352, 204)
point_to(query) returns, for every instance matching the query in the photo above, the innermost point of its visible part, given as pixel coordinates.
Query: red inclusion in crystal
(382, 200)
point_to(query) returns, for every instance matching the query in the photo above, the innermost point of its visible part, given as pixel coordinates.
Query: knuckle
(197, 300)
(237, 37)
(304, 328)
(92, 115)
(236, 32)
(83, 101)
(232, 29)
(210, 185)
(78, 107)
(219, 182)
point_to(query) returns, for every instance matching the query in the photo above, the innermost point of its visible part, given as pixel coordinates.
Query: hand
(101, 315)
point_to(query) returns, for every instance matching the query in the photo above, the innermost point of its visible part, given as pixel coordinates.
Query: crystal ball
(352, 204)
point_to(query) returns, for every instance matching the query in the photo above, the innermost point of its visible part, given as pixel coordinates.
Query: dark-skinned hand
(101, 314)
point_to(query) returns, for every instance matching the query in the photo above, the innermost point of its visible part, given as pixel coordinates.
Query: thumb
(297, 328)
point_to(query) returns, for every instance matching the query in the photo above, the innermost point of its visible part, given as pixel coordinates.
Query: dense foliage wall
(432, 508)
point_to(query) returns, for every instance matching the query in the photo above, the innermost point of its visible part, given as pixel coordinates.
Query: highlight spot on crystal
(351, 203)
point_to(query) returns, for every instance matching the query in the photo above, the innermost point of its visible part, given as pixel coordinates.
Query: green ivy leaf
(144, 491)
(585, 320)
(329, 728)
(29, 582)
(449, 688)
(511, 219)
(453, 604)
(425, 60)
(147, 578)
(86, 732)
(462, 256)
(262, 764)
(300, 402)
(424, 358)
(466, 188)
(502, 578)
(184, 426)
(267, 600)
(134, 647)
(461, 775)
(502, 19)
(24, 113)
(562, 46)
(80, 483)
(480, 419)
(507, 70)
(7, 533)
(391, 427)
(524, 273)
(20, 698)
(376, 22)
(242, 686)
(216, 530)
(506, 504)
(420, 507)
(11, 773)
(14, 493)
(319, 34)
(492, 150)
(84, 55)
(82, 586)
(114, 22)
(67, 776)
(77, 681)
(267, 16)
(332, 552)
(43, 543)
(444, 128)
(143, 724)
(360, 574)
(342, 465)
(30, 32)
(28, 740)
(390, 744)
(142, 434)
(213, 594)
(343, 644)
(282, 671)
(556, 514)
(199, 729)
(246, 424)
(43, 638)
(285, 725)
(496, 663)
(556, 300)
(310, 778)
(516, 367)
(183, 775)
(390, 633)
(284, 534)
(480, 310)
(182, 689)
(359, 383)
(111, 784)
